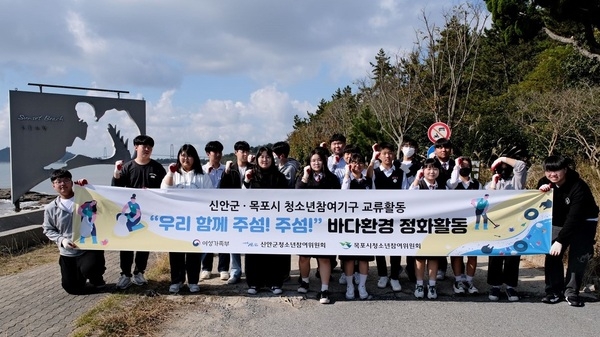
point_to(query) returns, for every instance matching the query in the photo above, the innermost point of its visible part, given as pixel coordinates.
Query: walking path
(34, 304)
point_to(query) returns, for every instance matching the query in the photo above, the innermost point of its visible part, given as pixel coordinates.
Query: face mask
(464, 171)
(408, 151)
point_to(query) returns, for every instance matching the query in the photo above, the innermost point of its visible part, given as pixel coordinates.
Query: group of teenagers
(341, 166)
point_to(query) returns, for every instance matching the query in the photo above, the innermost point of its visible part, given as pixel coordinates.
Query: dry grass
(135, 313)
(12, 262)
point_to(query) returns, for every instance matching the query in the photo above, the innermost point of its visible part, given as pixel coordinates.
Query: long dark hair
(190, 150)
(271, 169)
(323, 156)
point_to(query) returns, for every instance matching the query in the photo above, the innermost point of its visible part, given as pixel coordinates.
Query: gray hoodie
(290, 170)
(58, 225)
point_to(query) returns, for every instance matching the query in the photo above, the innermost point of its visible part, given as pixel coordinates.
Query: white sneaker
(174, 288)
(419, 291)
(252, 291)
(233, 280)
(124, 282)
(441, 275)
(362, 292)
(395, 285)
(343, 279)
(383, 281)
(431, 293)
(471, 288)
(205, 275)
(350, 291)
(194, 288)
(224, 275)
(459, 287)
(276, 290)
(138, 279)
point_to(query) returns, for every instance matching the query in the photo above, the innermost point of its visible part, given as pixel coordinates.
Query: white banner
(315, 222)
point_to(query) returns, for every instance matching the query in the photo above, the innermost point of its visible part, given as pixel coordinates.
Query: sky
(223, 70)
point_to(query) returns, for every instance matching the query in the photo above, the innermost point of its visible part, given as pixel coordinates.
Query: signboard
(438, 130)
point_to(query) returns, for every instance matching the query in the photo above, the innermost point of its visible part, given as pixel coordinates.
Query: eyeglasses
(61, 181)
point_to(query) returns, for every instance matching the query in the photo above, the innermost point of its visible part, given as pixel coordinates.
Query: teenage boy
(76, 265)
(336, 162)
(443, 151)
(233, 177)
(510, 174)
(141, 172)
(574, 222)
(288, 166)
(214, 169)
(388, 176)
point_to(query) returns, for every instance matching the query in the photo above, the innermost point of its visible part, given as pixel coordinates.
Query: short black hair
(386, 145)
(556, 163)
(411, 142)
(337, 137)
(443, 142)
(213, 146)
(60, 173)
(143, 140)
(432, 162)
(281, 148)
(241, 145)
(350, 149)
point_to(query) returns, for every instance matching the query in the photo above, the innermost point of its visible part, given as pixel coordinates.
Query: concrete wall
(21, 230)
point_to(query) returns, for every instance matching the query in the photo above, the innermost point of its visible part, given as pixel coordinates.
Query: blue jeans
(236, 265)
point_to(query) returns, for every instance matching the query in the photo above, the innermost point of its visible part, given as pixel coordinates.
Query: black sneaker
(303, 288)
(574, 301)
(494, 294)
(551, 299)
(323, 297)
(512, 294)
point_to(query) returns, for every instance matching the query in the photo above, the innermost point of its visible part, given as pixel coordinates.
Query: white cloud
(253, 65)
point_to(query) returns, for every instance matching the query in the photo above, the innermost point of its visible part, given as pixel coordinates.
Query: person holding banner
(76, 265)
(265, 269)
(387, 176)
(443, 151)
(141, 172)
(233, 177)
(427, 180)
(509, 174)
(574, 222)
(460, 179)
(186, 173)
(214, 169)
(317, 176)
(356, 178)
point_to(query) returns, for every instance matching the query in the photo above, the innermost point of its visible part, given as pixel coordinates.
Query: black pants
(503, 269)
(185, 263)
(127, 258)
(223, 264)
(76, 270)
(395, 268)
(581, 250)
(265, 270)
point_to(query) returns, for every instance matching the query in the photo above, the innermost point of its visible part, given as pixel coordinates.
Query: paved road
(34, 304)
